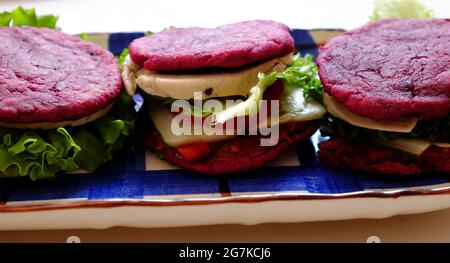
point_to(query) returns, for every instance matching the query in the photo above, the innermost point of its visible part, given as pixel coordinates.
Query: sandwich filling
(409, 135)
(184, 85)
(290, 80)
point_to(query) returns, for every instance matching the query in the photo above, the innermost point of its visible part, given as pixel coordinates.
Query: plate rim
(223, 199)
(215, 214)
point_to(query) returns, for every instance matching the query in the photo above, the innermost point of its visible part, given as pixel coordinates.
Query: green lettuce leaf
(251, 105)
(400, 9)
(27, 17)
(5, 18)
(43, 153)
(301, 74)
(48, 21)
(101, 138)
(431, 130)
(35, 154)
(84, 36)
(125, 52)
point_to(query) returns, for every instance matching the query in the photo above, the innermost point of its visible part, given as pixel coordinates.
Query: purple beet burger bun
(50, 77)
(227, 46)
(387, 86)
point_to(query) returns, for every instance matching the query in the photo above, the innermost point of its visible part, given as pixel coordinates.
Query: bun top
(227, 46)
(49, 76)
(390, 69)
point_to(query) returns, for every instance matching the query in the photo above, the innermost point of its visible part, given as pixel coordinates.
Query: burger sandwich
(248, 63)
(387, 90)
(60, 99)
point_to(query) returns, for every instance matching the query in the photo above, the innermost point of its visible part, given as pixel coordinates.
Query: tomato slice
(194, 152)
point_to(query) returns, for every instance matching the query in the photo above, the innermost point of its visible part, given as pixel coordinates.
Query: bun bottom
(375, 158)
(236, 155)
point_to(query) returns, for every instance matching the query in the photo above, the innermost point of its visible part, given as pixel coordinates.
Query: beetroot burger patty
(390, 69)
(239, 154)
(49, 76)
(227, 46)
(375, 158)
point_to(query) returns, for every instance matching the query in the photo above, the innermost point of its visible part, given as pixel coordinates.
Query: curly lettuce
(35, 154)
(41, 154)
(400, 9)
(303, 73)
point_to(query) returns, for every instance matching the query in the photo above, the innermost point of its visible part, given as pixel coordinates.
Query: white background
(77, 16)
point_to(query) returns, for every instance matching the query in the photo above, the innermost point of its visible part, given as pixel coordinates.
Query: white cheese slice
(292, 108)
(414, 146)
(162, 119)
(55, 125)
(183, 86)
(338, 110)
(442, 144)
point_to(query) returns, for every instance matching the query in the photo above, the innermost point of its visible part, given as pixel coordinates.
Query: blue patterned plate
(139, 190)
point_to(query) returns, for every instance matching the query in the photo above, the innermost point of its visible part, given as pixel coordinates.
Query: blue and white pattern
(138, 175)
